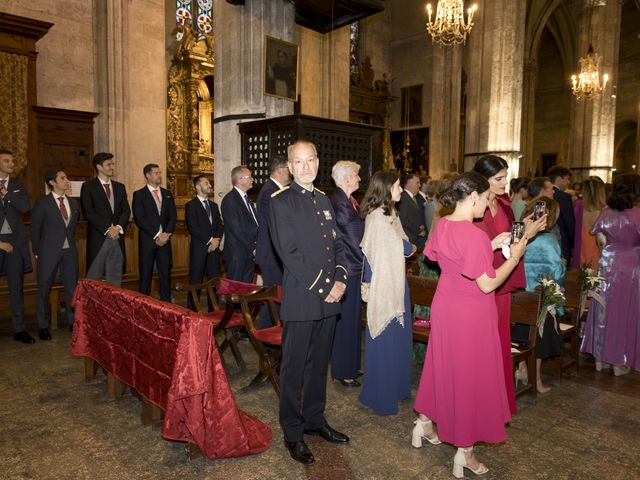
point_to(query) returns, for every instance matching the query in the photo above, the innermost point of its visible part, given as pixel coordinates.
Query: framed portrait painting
(280, 69)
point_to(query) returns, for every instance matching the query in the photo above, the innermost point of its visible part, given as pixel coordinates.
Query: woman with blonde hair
(587, 210)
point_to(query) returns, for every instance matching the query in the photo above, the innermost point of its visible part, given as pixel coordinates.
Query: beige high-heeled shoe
(460, 463)
(418, 434)
(621, 370)
(522, 376)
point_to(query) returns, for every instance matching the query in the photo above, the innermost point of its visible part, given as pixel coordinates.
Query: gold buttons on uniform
(326, 280)
(328, 248)
(321, 224)
(320, 291)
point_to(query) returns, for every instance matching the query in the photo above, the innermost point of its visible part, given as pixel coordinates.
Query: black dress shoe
(348, 382)
(44, 334)
(329, 434)
(300, 452)
(23, 337)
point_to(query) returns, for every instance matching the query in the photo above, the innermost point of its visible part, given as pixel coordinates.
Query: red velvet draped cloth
(167, 353)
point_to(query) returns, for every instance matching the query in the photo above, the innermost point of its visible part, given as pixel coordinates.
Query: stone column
(324, 68)
(593, 120)
(495, 66)
(130, 79)
(239, 38)
(528, 163)
(446, 92)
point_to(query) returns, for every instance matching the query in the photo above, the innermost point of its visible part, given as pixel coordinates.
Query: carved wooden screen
(334, 140)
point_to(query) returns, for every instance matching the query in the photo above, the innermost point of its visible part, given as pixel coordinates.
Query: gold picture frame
(280, 68)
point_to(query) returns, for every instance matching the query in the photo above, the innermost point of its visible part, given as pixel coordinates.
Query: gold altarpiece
(190, 107)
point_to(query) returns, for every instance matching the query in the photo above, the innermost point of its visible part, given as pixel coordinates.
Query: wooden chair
(269, 358)
(569, 328)
(524, 311)
(225, 320)
(421, 292)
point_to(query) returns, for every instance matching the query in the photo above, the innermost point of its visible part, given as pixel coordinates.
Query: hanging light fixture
(449, 26)
(587, 84)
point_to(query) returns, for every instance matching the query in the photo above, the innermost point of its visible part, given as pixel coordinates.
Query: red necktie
(107, 189)
(157, 195)
(355, 204)
(63, 209)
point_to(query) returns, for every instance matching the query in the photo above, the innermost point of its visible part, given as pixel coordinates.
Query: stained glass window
(354, 40)
(205, 17)
(202, 10)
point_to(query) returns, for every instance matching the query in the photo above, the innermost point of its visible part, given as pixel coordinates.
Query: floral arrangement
(552, 298)
(591, 284)
(590, 279)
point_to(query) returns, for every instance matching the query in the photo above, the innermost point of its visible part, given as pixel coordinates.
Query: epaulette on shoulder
(278, 192)
(320, 191)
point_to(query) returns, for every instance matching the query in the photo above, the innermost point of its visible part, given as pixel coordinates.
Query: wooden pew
(524, 311)
(569, 328)
(421, 292)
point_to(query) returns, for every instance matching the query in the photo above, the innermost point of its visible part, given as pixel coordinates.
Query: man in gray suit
(15, 258)
(53, 227)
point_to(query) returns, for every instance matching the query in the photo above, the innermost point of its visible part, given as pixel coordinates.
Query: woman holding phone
(497, 219)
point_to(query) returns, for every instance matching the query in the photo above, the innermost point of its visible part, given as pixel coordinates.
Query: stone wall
(411, 56)
(65, 57)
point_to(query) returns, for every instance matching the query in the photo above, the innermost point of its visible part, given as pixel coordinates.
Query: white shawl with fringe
(382, 245)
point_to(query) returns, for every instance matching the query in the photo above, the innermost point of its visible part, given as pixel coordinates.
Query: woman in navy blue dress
(388, 345)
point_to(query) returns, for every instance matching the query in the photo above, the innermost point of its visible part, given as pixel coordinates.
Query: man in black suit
(307, 239)
(53, 228)
(15, 258)
(421, 197)
(560, 177)
(154, 211)
(266, 257)
(240, 227)
(409, 211)
(106, 209)
(202, 217)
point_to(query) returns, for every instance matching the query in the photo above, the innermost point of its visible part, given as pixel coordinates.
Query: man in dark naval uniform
(307, 239)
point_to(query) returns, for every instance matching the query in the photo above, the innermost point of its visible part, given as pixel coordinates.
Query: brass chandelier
(449, 27)
(587, 84)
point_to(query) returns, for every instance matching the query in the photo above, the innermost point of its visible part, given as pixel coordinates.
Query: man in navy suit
(53, 227)
(15, 258)
(154, 211)
(240, 227)
(409, 211)
(105, 206)
(307, 239)
(560, 177)
(266, 256)
(202, 217)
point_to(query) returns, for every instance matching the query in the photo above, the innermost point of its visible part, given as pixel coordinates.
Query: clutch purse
(364, 291)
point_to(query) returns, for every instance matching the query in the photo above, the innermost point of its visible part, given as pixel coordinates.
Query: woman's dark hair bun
(462, 186)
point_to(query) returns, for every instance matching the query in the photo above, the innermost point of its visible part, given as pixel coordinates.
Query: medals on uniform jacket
(327, 215)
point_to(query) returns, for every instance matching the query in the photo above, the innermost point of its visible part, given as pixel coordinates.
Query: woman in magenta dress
(462, 386)
(497, 219)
